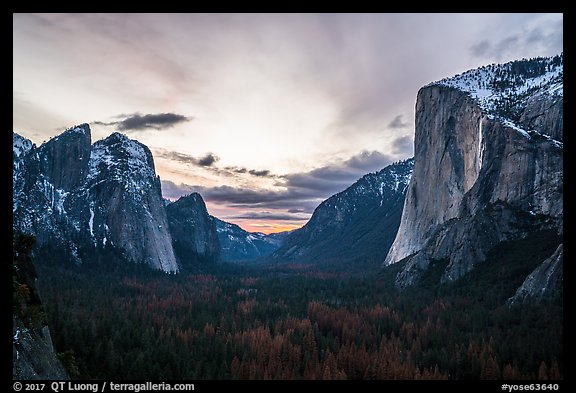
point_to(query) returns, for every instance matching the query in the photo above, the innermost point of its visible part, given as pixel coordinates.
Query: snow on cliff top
(20, 145)
(121, 155)
(495, 85)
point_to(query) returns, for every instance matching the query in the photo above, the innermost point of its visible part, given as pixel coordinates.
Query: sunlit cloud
(279, 105)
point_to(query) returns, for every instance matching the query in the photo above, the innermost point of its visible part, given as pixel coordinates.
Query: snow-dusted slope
(86, 200)
(20, 148)
(20, 145)
(518, 94)
(122, 159)
(125, 204)
(357, 224)
(501, 89)
(240, 245)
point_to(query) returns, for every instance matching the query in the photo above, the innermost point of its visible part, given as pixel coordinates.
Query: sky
(265, 115)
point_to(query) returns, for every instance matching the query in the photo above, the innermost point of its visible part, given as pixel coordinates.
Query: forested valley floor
(299, 321)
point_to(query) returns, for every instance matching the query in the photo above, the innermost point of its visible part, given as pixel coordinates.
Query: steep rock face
(37, 202)
(240, 245)
(193, 231)
(545, 111)
(358, 223)
(84, 201)
(124, 203)
(20, 148)
(33, 355)
(65, 158)
(448, 155)
(544, 282)
(20, 145)
(479, 178)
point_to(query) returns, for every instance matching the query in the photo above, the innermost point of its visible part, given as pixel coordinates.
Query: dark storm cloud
(269, 216)
(398, 122)
(263, 173)
(253, 172)
(296, 211)
(403, 145)
(257, 198)
(207, 161)
(290, 199)
(300, 193)
(139, 122)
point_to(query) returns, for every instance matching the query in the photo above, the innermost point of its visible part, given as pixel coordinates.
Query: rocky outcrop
(85, 199)
(479, 178)
(357, 224)
(193, 231)
(20, 149)
(124, 203)
(65, 158)
(33, 355)
(544, 282)
(238, 245)
(37, 203)
(448, 155)
(544, 112)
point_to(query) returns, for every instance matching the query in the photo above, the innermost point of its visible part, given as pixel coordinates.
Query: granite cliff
(193, 231)
(488, 166)
(83, 199)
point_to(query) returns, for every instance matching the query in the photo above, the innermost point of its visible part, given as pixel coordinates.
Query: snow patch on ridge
(91, 222)
(498, 88)
(20, 145)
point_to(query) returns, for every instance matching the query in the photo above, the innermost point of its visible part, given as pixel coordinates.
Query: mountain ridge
(83, 198)
(239, 245)
(193, 232)
(354, 224)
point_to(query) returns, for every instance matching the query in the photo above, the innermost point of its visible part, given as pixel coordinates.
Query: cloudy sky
(265, 115)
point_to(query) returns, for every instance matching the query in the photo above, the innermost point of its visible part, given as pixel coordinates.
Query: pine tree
(543, 371)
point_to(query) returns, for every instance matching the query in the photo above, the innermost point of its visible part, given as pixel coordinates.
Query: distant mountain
(89, 202)
(240, 245)
(357, 224)
(193, 231)
(488, 169)
(103, 203)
